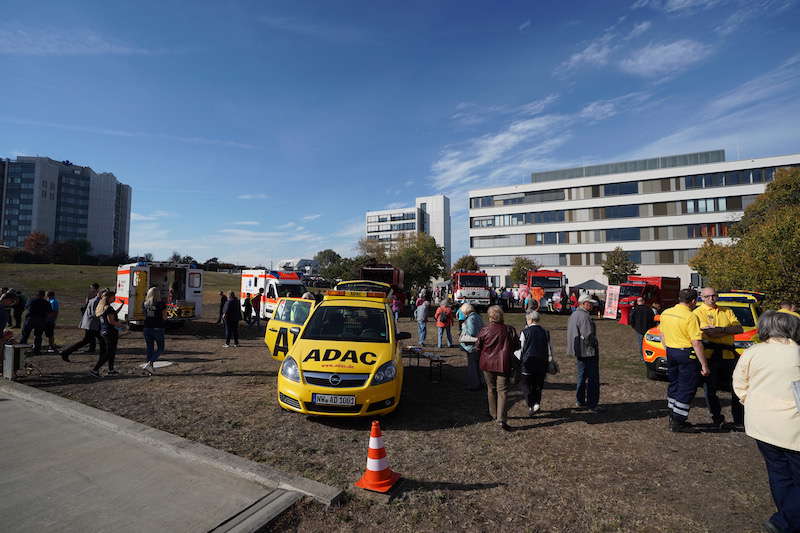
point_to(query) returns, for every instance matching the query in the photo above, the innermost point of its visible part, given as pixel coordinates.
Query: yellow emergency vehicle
(744, 304)
(342, 358)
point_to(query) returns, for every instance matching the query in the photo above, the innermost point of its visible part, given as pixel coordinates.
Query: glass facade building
(65, 202)
(659, 210)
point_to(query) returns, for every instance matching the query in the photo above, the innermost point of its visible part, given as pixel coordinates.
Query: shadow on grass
(413, 485)
(615, 412)
(59, 379)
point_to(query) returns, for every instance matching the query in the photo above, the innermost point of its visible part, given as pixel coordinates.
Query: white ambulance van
(184, 302)
(275, 284)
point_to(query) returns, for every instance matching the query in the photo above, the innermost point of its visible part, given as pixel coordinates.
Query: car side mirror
(295, 330)
(402, 335)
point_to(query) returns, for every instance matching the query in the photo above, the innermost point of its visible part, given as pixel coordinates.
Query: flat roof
(638, 165)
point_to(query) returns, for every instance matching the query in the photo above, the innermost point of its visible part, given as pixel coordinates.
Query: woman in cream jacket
(764, 381)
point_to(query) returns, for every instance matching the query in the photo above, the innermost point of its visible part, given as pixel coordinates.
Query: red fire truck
(472, 287)
(550, 288)
(654, 289)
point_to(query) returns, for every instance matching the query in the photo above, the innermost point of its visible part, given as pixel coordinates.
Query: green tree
(466, 262)
(148, 257)
(374, 249)
(420, 258)
(618, 266)
(717, 264)
(175, 257)
(782, 191)
(187, 259)
(327, 258)
(520, 267)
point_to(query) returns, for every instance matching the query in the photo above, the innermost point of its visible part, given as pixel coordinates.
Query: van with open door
(180, 285)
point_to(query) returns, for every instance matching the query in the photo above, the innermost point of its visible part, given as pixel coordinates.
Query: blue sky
(254, 131)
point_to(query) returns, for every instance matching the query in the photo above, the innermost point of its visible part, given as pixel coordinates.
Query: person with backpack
(108, 332)
(535, 356)
(444, 319)
(154, 311)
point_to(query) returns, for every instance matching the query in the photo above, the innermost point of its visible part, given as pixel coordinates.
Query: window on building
(618, 189)
(622, 211)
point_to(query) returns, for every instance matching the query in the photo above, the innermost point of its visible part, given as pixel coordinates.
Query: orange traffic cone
(378, 477)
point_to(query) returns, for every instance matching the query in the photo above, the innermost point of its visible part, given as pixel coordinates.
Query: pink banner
(612, 302)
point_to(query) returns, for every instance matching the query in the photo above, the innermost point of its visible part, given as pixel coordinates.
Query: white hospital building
(430, 215)
(659, 210)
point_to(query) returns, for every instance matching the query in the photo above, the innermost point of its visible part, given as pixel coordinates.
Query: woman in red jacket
(444, 319)
(496, 344)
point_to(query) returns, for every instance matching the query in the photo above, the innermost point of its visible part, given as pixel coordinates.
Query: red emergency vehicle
(550, 288)
(654, 289)
(472, 287)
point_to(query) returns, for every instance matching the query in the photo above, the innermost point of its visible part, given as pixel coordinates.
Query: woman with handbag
(469, 335)
(536, 361)
(496, 345)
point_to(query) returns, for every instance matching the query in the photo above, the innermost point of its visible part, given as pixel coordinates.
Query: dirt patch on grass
(563, 470)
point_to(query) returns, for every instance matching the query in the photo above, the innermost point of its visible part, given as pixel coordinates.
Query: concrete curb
(174, 445)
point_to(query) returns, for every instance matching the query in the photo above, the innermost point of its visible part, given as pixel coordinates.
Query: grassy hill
(72, 281)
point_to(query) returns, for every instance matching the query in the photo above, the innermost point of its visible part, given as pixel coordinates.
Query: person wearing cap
(582, 343)
(686, 362)
(719, 325)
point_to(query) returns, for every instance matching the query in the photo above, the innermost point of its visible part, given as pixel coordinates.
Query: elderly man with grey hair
(767, 381)
(534, 356)
(582, 343)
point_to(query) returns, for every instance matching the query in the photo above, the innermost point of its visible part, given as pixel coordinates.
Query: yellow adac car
(343, 359)
(744, 304)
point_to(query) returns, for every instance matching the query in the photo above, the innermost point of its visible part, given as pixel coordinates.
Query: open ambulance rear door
(194, 290)
(132, 285)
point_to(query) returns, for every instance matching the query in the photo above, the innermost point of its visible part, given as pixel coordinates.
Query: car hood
(340, 356)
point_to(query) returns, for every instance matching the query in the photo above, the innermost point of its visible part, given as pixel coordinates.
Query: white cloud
(525, 25)
(353, 228)
(259, 196)
(127, 133)
(246, 223)
(676, 6)
(665, 59)
(287, 225)
(782, 79)
(639, 29)
(395, 205)
(312, 217)
(53, 42)
(408, 183)
(596, 53)
(155, 215)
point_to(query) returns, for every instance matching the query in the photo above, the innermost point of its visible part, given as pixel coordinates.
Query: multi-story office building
(65, 202)
(660, 211)
(431, 215)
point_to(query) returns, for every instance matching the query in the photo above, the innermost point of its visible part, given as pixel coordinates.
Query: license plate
(333, 399)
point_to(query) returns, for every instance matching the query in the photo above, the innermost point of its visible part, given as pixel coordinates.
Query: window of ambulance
(343, 323)
(290, 291)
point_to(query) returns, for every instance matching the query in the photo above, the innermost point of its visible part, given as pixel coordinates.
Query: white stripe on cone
(376, 465)
(376, 443)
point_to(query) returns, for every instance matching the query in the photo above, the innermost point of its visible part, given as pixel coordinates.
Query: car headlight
(289, 370)
(742, 344)
(385, 373)
(652, 338)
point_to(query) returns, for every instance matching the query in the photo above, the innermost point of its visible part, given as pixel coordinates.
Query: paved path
(68, 467)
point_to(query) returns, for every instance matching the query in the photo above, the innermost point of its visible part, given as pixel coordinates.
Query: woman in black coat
(231, 315)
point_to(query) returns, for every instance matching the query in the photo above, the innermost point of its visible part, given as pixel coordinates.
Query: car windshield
(626, 291)
(293, 311)
(545, 283)
(363, 286)
(472, 281)
(744, 315)
(345, 323)
(290, 291)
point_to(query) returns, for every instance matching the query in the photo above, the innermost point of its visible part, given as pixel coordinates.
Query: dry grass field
(564, 470)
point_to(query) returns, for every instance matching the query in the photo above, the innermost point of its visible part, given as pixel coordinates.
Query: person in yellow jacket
(790, 308)
(686, 362)
(719, 325)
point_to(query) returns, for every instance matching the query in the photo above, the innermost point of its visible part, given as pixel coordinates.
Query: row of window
(646, 257)
(388, 236)
(392, 217)
(652, 233)
(680, 207)
(404, 226)
(700, 181)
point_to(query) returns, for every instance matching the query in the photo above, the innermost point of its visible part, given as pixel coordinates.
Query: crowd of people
(700, 351)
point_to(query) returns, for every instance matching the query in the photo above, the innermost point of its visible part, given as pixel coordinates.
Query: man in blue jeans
(582, 343)
(421, 316)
